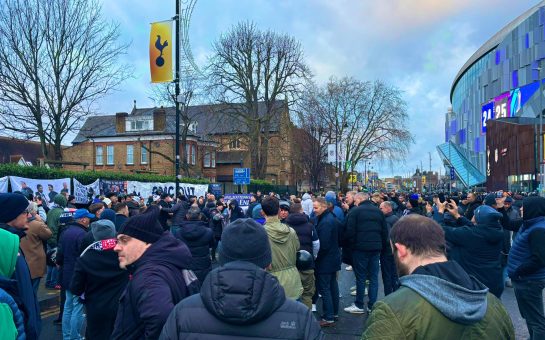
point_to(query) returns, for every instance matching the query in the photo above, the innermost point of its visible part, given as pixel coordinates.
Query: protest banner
(146, 189)
(4, 184)
(107, 186)
(38, 187)
(85, 193)
(242, 199)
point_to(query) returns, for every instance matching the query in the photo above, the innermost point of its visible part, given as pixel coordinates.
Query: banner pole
(177, 80)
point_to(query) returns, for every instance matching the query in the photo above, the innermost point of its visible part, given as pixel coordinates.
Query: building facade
(501, 81)
(143, 141)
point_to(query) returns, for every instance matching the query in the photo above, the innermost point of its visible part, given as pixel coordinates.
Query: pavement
(349, 326)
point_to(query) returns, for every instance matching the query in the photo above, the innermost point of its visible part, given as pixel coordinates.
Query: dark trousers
(529, 296)
(328, 287)
(389, 273)
(364, 263)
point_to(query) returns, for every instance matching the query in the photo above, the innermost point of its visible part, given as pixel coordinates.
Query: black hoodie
(240, 300)
(199, 238)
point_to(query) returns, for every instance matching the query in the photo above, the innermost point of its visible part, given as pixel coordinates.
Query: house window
(234, 145)
(110, 155)
(138, 124)
(143, 156)
(130, 154)
(187, 153)
(99, 160)
(193, 154)
(209, 159)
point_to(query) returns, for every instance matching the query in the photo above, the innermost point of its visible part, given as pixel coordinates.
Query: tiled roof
(211, 120)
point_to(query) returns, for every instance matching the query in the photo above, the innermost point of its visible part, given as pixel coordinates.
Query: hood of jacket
(60, 200)
(241, 293)
(534, 206)
(306, 196)
(470, 298)
(9, 245)
(193, 230)
(168, 250)
(278, 232)
(297, 219)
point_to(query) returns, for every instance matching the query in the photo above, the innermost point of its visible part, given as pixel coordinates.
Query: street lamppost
(540, 142)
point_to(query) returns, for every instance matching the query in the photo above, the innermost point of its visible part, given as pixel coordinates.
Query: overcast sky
(415, 45)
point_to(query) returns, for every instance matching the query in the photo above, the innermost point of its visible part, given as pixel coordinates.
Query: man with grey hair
(387, 264)
(348, 202)
(199, 239)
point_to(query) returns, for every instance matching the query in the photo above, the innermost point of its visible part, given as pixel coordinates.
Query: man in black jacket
(241, 299)
(98, 277)
(368, 235)
(387, 263)
(309, 241)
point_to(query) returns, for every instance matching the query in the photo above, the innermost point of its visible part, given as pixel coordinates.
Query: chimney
(159, 119)
(120, 121)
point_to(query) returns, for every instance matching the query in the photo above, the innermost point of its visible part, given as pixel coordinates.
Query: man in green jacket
(437, 298)
(284, 245)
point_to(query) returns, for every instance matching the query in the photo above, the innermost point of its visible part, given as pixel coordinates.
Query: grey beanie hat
(245, 240)
(103, 230)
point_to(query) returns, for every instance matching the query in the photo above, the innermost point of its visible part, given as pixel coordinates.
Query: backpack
(10, 296)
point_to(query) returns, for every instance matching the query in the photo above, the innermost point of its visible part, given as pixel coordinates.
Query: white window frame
(110, 153)
(99, 154)
(234, 144)
(130, 155)
(213, 158)
(143, 152)
(193, 154)
(207, 160)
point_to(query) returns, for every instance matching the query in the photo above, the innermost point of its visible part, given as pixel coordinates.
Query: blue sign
(452, 175)
(216, 189)
(241, 176)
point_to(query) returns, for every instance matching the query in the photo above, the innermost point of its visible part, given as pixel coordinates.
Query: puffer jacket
(199, 238)
(240, 300)
(366, 228)
(157, 285)
(11, 317)
(479, 248)
(284, 245)
(476, 314)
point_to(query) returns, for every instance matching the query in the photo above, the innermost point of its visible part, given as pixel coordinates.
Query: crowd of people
(201, 267)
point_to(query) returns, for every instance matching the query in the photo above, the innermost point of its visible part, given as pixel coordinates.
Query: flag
(160, 52)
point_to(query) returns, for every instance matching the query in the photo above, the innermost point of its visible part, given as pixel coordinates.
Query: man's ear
(402, 251)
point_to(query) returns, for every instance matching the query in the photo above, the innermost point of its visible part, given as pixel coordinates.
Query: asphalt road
(349, 326)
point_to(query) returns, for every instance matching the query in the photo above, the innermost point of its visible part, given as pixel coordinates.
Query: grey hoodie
(307, 204)
(457, 303)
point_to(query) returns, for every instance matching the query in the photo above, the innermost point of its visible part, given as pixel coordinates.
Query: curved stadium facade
(489, 138)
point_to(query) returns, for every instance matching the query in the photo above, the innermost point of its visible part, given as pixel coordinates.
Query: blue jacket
(520, 255)
(69, 251)
(199, 239)
(329, 256)
(6, 298)
(33, 323)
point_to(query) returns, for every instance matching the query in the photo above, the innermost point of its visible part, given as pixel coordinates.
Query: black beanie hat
(144, 227)
(12, 205)
(245, 240)
(490, 199)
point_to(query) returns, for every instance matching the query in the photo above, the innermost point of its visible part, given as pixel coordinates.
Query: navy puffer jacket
(199, 238)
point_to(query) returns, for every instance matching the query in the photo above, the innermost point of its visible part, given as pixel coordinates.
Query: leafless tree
(367, 120)
(56, 59)
(251, 66)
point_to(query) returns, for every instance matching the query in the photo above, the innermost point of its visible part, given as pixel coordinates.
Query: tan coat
(33, 247)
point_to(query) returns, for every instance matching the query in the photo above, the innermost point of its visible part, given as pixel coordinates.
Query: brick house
(13, 150)
(143, 141)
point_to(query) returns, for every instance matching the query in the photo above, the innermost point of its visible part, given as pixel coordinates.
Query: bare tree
(250, 66)
(56, 59)
(367, 120)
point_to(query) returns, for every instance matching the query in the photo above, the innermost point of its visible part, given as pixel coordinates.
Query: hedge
(87, 176)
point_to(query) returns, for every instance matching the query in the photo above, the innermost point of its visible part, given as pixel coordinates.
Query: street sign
(241, 176)
(423, 179)
(452, 173)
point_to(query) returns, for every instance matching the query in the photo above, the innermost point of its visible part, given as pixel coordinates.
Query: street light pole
(177, 94)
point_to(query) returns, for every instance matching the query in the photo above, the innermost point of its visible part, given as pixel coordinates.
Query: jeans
(365, 262)
(328, 287)
(72, 318)
(389, 273)
(529, 296)
(51, 280)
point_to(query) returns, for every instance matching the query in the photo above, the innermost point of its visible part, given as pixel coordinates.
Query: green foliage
(88, 176)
